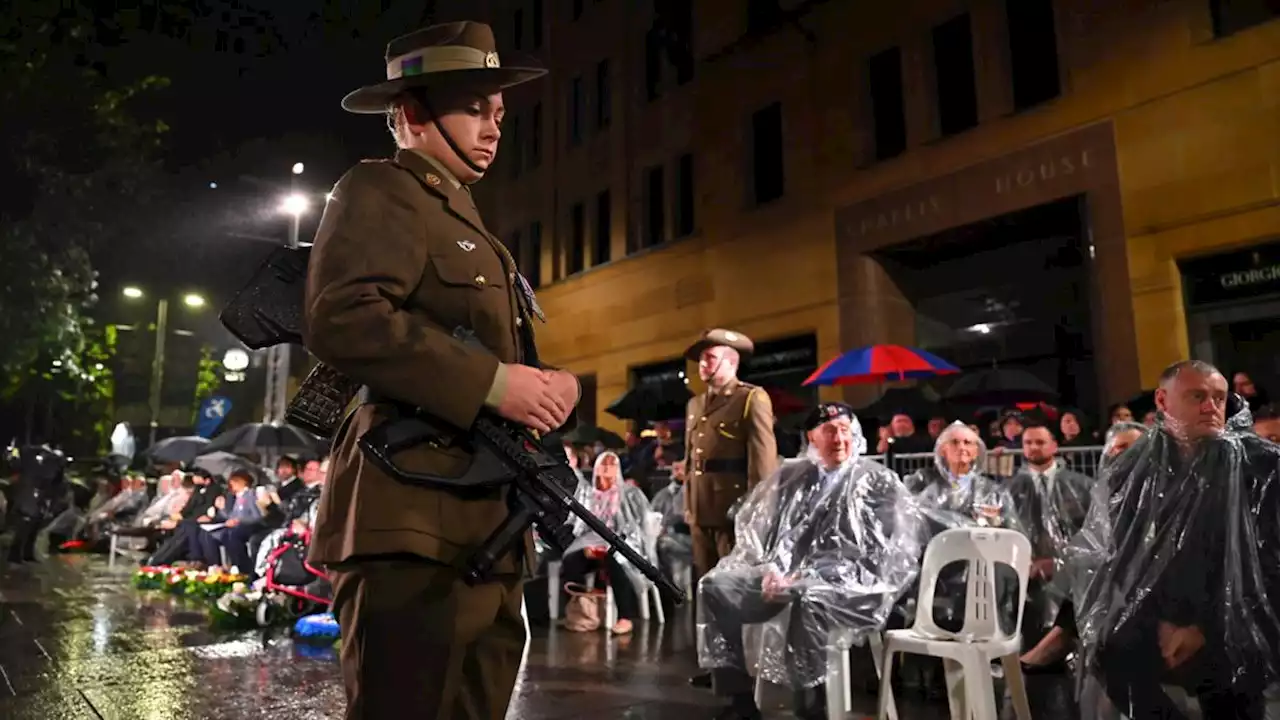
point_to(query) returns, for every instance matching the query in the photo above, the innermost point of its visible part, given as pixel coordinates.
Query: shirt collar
(440, 168)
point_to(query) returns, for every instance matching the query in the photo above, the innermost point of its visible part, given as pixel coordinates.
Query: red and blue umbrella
(880, 363)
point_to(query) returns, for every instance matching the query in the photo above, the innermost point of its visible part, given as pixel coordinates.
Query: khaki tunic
(401, 259)
(730, 448)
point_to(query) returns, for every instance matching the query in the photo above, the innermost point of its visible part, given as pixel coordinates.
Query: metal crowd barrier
(1000, 463)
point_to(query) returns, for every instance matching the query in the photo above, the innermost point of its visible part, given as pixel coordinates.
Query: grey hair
(1122, 426)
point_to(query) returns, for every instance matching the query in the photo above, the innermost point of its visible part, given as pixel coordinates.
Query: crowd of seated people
(189, 517)
(1161, 571)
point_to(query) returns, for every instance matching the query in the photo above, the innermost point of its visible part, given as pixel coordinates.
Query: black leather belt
(737, 465)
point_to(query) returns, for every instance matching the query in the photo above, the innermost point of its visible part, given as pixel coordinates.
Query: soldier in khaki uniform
(401, 262)
(729, 441)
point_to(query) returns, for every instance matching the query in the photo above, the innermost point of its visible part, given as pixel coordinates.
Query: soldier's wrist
(498, 388)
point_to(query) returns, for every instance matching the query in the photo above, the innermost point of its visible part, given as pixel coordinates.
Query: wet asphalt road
(77, 642)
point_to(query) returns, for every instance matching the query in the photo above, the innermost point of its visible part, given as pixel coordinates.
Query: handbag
(582, 614)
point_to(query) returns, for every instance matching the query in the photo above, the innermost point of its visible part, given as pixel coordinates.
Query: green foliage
(78, 160)
(208, 380)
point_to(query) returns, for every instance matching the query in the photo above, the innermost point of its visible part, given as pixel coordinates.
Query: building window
(1033, 52)
(533, 271)
(655, 218)
(536, 23)
(652, 64)
(1231, 16)
(577, 239)
(575, 111)
(767, 177)
(517, 30)
(517, 142)
(535, 136)
(684, 196)
(604, 95)
(577, 9)
(604, 229)
(954, 77)
(762, 15)
(888, 110)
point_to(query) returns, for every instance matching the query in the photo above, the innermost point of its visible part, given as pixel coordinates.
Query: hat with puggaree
(825, 413)
(447, 54)
(719, 337)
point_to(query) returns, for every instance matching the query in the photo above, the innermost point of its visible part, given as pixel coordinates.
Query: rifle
(268, 311)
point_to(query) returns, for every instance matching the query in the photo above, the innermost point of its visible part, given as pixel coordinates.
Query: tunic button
(519, 321)
(480, 280)
(698, 450)
(511, 277)
(697, 472)
(701, 434)
(704, 418)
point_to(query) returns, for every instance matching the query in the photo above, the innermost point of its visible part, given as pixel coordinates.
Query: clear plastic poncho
(1051, 505)
(818, 552)
(955, 495)
(1185, 533)
(965, 498)
(624, 509)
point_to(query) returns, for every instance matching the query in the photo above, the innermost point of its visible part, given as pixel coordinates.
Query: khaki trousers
(420, 644)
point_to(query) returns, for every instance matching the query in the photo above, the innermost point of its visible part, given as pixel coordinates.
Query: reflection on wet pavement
(76, 641)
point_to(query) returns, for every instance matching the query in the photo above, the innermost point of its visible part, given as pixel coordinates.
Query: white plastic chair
(839, 679)
(967, 655)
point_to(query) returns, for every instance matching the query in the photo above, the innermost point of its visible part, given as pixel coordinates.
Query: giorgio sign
(1239, 275)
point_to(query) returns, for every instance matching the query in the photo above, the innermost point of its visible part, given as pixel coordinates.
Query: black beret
(825, 412)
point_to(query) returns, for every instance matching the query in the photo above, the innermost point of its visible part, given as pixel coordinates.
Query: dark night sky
(242, 120)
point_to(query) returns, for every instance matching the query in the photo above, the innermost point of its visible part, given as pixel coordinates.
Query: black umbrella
(265, 439)
(590, 435)
(182, 449)
(221, 463)
(919, 402)
(1001, 386)
(652, 402)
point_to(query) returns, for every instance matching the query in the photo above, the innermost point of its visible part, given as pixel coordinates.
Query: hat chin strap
(435, 120)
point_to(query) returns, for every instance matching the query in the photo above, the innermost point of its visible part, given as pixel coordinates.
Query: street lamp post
(295, 205)
(157, 366)
(191, 300)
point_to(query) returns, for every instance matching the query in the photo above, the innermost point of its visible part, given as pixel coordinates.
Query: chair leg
(957, 698)
(1017, 686)
(875, 641)
(642, 594)
(610, 609)
(111, 552)
(656, 597)
(887, 707)
(979, 689)
(553, 590)
(839, 692)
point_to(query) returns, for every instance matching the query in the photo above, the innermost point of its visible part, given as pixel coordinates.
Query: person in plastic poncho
(1073, 571)
(1051, 501)
(829, 542)
(956, 493)
(623, 507)
(1185, 539)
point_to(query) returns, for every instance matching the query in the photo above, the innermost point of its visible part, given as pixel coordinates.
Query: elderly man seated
(1185, 529)
(829, 542)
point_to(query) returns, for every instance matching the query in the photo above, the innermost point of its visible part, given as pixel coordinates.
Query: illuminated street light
(193, 300)
(235, 360)
(295, 205)
(132, 293)
(298, 168)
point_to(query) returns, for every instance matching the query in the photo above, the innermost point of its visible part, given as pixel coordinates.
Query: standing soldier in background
(729, 447)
